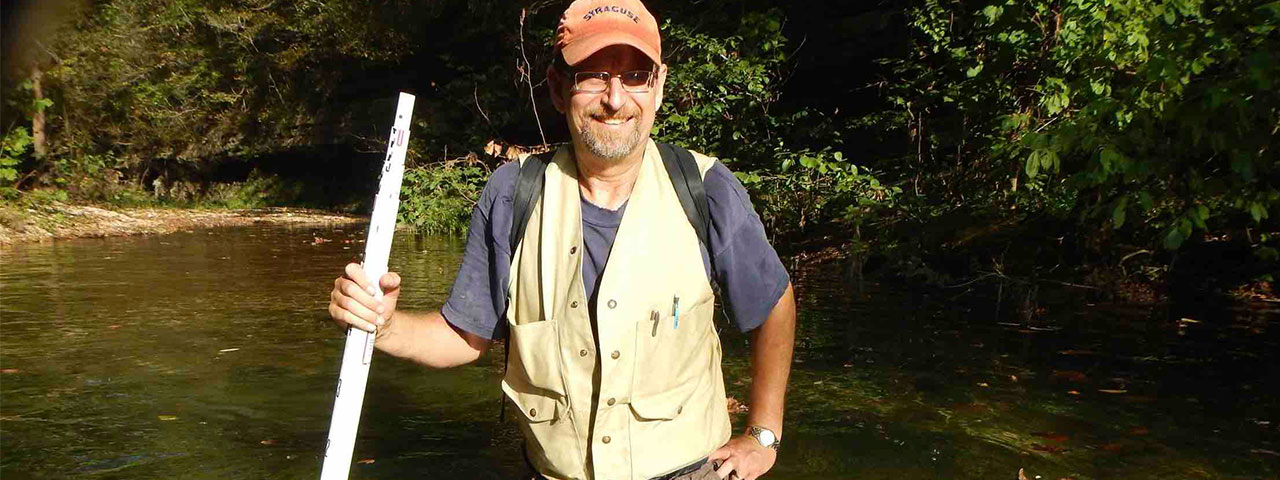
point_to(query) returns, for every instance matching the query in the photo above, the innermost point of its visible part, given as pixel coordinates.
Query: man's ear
(662, 80)
(556, 82)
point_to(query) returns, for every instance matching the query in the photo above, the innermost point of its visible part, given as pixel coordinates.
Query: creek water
(209, 354)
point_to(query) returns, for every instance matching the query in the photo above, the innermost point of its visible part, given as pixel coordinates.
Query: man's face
(614, 123)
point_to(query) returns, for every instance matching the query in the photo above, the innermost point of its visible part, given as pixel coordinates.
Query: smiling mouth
(613, 121)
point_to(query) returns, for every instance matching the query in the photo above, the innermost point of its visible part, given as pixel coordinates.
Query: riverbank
(59, 220)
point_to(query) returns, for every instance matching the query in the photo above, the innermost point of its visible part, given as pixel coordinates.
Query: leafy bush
(438, 198)
(1142, 120)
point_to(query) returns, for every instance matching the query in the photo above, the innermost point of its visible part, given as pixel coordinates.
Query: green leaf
(1033, 164)
(1118, 213)
(808, 162)
(992, 12)
(1184, 227)
(1242, 164)
(1173, 239)
(1257, 211)
(973, 71)
(786, 163)
(1197, 216)
(41, 103)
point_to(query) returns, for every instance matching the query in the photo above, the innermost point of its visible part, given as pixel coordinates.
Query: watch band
(759, 433)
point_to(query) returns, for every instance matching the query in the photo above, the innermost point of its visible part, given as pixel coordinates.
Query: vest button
(573, 250)
(610, 402)
(615, 355)
(606, 439)
(582, 353)
(613, 303)
(533, 412)
(573, 304)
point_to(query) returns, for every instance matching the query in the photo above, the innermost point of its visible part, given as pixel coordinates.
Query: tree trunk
(37, 118)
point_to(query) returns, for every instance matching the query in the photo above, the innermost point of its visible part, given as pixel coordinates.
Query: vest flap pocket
(533, 361)
(536, 407)
(663, 405)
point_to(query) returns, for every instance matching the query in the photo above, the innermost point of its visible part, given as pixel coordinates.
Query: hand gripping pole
(349, 394)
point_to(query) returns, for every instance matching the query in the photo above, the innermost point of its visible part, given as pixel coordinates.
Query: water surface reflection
(208, 354)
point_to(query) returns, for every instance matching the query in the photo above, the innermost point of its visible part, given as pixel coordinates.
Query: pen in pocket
(675, 311)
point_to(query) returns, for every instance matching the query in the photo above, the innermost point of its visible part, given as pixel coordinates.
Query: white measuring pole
(349, 397)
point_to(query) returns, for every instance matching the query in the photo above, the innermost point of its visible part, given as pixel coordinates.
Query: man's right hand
(352, 301)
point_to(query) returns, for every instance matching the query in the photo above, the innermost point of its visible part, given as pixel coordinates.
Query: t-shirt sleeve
(747, 268)
(478, 300)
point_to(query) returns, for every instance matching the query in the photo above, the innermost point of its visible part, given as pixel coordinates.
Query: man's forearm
(426, 338)
(771, 347)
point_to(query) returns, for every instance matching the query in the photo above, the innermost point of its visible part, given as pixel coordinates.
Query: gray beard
(611, 148)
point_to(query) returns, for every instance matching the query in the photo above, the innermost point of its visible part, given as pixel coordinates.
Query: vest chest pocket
(672, 357)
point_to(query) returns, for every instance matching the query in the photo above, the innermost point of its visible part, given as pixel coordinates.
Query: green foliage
(721, 97)
(1154, 119)
(1147, 124)
(439, 198)
(12, 150)
(719, 90)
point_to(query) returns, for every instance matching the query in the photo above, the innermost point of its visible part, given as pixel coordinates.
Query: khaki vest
(662, 399)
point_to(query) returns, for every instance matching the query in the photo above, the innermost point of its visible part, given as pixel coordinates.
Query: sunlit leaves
(1143, 114)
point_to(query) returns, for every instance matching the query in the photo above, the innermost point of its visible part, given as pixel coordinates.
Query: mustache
(600, 114)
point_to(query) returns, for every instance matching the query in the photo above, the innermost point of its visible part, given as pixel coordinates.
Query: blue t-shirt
(747, 269)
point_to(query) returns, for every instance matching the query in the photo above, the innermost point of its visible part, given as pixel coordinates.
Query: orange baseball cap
(590, 25)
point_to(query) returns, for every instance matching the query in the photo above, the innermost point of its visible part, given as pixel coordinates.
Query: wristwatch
(766, 437)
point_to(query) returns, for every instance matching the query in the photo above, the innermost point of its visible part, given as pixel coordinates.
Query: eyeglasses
(635, 81)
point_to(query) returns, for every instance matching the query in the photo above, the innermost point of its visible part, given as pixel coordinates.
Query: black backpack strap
(687, 180)
(528, 191)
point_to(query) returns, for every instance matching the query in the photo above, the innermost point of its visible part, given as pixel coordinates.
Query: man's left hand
(743, 458)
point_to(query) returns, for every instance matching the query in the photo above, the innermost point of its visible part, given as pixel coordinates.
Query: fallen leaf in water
(1048, 448)
(1013, 377)
(1021, 475)
(1077, 352)
(971, 407)
(268, 442)
(1188, 320)
(366, 461)
(983, 384)
(168, 418)
(1112, 390)
(1073, 392)
(1069, 375)
(9, 370)
(1113, 447)
(1051, 436)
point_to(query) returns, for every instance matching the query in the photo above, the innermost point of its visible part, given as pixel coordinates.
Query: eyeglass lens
(636, 81)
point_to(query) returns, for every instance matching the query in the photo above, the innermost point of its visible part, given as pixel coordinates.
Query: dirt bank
(48, 222)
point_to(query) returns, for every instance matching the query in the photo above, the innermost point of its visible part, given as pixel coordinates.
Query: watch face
(766, 437)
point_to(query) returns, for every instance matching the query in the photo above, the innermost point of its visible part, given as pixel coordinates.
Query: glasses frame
(608, 81)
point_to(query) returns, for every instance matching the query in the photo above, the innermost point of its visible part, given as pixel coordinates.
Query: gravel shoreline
(59, 221)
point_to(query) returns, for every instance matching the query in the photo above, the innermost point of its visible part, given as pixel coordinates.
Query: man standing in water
(614, 360)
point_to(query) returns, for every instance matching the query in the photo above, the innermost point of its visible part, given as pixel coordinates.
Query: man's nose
(617, 97)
